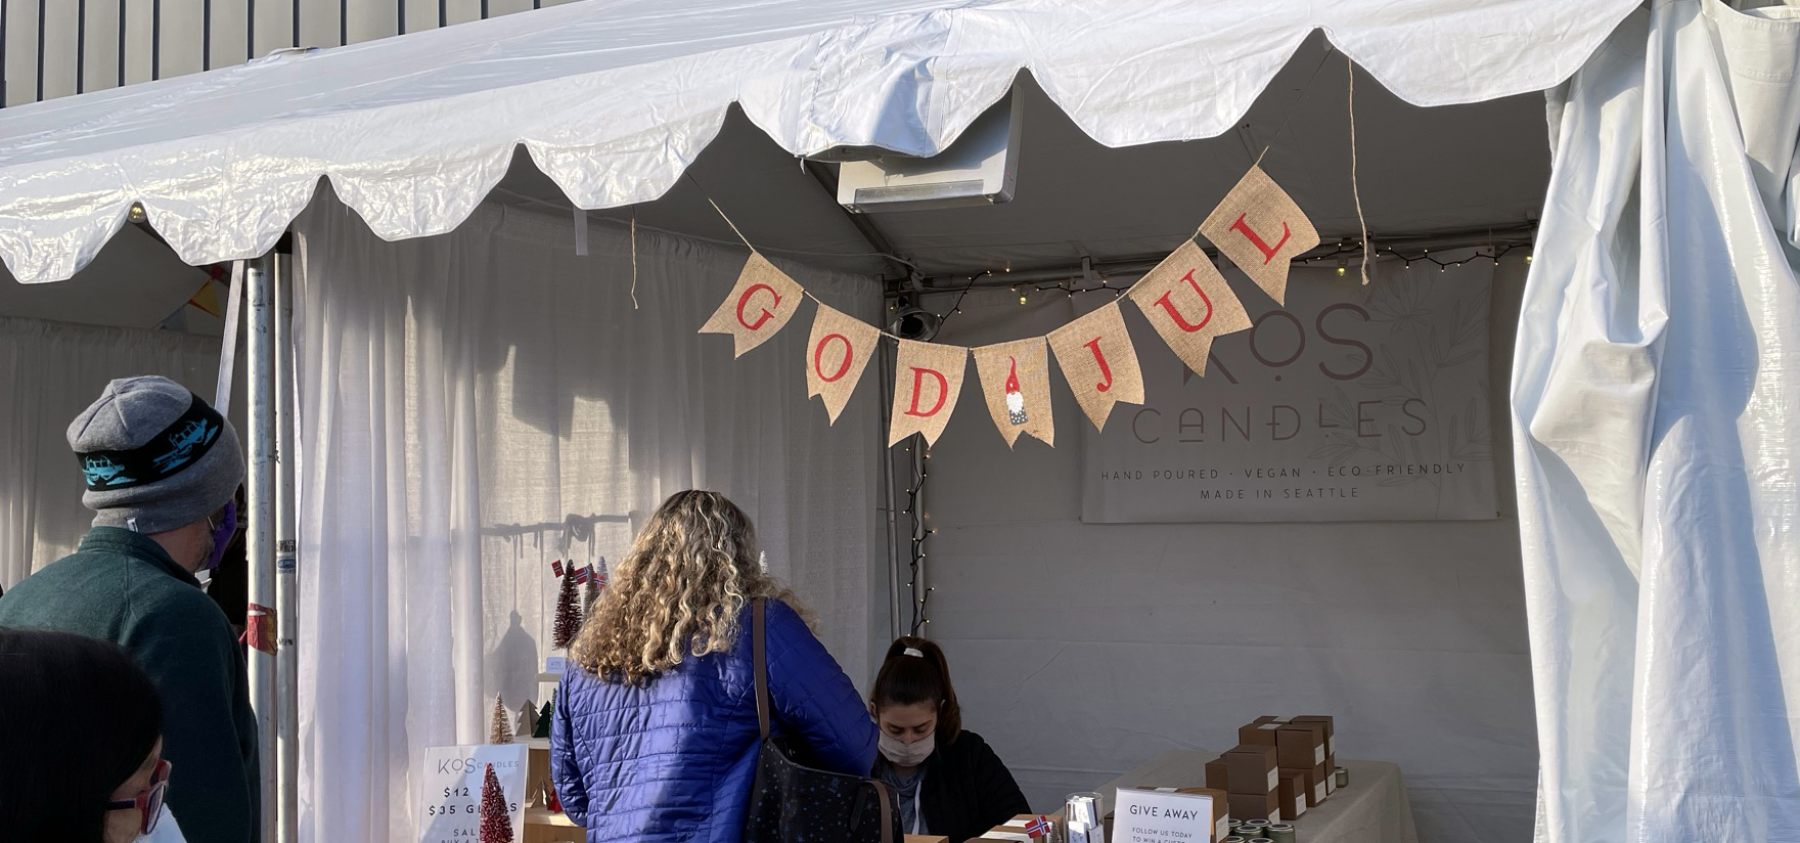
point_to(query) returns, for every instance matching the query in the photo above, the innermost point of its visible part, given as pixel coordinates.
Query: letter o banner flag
(836, 356)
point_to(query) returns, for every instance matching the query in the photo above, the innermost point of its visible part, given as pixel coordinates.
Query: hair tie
(914, 652)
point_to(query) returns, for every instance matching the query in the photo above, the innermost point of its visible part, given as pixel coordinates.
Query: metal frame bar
(260, 537)
(287, 586)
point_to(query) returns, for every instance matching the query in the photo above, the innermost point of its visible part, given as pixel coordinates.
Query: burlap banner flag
(1096, 357)
(836, 356)
(1016, 379)
(1261, 229)
(760, 304)
(927, 378)
(1188, 302)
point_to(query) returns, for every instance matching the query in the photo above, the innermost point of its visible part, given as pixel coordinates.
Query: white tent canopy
(613, 100)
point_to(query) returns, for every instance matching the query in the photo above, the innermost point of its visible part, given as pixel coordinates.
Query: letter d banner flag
(927, 378)
(836, 356)
(1097, 359)
(762, 301)
(1188, 302)
(1260, 228)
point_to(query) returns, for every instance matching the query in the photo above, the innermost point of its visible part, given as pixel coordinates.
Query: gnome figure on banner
(1015, 400)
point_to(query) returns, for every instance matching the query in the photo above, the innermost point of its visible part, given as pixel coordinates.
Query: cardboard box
(1293, 794)
(1217, 774)
(1250, 770)
(1313, 789)
(1300, 745)
(1258, 734)
(1269, 719)
(1014, 829)
(1322, 783)
(1246, 806)
(1330, 729)
(1330, 774)
(1220, 801)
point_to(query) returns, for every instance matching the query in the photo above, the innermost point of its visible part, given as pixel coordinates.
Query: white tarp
(1347, 403)
(1656, 396)
(614, 99)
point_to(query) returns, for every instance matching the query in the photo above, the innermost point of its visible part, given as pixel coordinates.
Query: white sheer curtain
(49, 373)
(1656, 402)
(464, 397)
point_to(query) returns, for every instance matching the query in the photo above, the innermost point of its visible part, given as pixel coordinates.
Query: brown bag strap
(887, 812)
(761, 659)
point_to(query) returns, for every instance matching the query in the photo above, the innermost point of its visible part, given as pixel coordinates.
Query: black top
(967, 790)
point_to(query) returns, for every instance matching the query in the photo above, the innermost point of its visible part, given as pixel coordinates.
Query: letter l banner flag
(927, 378)
(762, 301)
(1261, 229)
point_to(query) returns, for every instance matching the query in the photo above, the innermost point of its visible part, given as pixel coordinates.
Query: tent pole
(261, 534)
(287, 586)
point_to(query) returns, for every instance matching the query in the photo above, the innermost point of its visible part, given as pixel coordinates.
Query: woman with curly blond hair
(655, 736)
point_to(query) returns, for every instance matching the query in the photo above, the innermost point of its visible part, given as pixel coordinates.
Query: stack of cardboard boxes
(1281, 767)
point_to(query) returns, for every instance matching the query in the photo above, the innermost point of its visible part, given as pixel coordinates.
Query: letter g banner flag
(927, 378)
(761, 303)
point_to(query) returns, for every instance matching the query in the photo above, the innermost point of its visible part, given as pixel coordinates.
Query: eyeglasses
(148, 803)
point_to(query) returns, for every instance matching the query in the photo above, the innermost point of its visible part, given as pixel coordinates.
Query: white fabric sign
(450, 790)
(1347, 404)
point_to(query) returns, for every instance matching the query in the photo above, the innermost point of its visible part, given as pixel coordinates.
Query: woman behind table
(655, 735)
(949, 781)
(81, 743)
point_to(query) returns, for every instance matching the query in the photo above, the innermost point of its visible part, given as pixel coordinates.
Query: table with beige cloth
(1373, 809)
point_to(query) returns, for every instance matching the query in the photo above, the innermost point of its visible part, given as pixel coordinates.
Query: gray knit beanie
(155, 456)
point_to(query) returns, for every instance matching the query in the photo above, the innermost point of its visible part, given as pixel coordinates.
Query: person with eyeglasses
(161, 469)
(82, 744)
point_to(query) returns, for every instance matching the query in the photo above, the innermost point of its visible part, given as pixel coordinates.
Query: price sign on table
(450, 790)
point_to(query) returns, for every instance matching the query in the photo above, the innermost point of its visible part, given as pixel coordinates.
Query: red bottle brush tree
(568, 613)
(496, 821)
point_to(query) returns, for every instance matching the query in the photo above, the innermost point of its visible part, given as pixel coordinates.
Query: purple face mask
(222, 533)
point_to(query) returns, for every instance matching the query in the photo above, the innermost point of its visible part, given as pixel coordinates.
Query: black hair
(77, 719)
(925, 678)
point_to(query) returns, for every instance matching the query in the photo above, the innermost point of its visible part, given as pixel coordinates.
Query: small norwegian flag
(582, 575)
(1038, 827)
(556, 567)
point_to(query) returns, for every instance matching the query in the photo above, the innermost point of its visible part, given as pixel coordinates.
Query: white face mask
(906, 754)
(167, 830)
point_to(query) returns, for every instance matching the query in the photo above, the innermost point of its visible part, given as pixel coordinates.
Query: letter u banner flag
(1098, 360)
(1261, 229)
(927, 378)
(1188, 302)
(836, 357)
(761, 303)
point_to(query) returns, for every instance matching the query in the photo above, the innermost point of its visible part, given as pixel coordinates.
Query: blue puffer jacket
(673, 760)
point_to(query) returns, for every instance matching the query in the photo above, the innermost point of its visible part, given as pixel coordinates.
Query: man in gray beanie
(161, 469)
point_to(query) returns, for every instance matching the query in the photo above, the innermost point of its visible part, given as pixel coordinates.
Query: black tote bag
(792, 803)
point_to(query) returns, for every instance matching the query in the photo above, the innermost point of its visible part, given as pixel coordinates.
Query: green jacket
(122, 587)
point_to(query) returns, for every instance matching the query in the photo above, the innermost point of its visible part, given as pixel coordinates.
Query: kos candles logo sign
(1346, 403)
